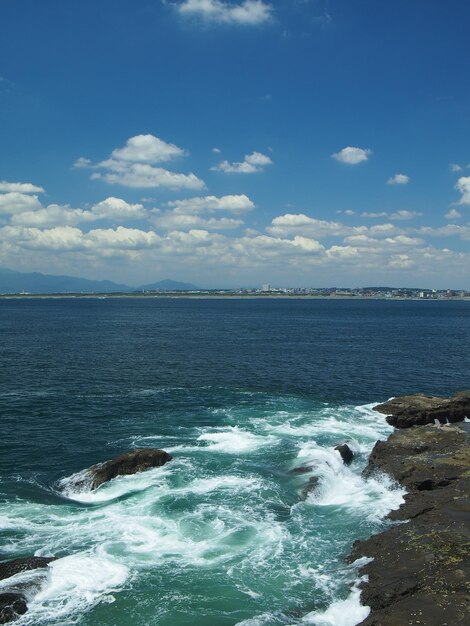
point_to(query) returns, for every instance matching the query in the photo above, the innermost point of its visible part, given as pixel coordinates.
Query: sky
(235, 143)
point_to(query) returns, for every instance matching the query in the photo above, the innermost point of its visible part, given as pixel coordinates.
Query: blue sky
(228, 143)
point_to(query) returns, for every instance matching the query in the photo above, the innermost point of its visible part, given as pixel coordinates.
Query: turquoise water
(240, 393)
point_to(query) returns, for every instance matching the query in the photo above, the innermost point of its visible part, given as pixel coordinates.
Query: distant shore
(219, 296)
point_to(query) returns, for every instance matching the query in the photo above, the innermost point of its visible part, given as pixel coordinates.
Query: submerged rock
(346, 453)
(419, 409)
(12, 605)
(420, 573)
(310, 487)
(132, 462)
(11, 568)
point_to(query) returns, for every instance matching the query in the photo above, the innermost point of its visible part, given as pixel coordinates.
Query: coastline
(189, 296)
(419, 572)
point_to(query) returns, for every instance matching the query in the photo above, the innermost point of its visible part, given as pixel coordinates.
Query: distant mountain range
(12, 282)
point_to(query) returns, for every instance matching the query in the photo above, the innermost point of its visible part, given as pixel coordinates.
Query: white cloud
(397, 215)
(20, 187)
(247, 12)
(118, 209)
(254, 162)
(147, 149)
(57, 215)
(398, 179)
(453, 214)
(352, 156)
(455, 167)
(82, 163)
(52, 215)
(143, 175)
(133, 166)
(232, 203)
(463, 186)
(216, 150)
(175, 221)
(16, 202)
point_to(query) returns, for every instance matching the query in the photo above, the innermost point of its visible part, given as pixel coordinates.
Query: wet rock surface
(419, 409)
(12, 605)
(128, 463)
(420, 573)
(11, 568)
(346, 453)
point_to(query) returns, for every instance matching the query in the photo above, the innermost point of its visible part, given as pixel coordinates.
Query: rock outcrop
(13, 602)
(346, 453)
(420, 573)
(11, 568)
(129, 463)
(419, 409)
(12, 605)
(132, 462)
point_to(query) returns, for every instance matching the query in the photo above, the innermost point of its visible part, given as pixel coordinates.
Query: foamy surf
(225, 512)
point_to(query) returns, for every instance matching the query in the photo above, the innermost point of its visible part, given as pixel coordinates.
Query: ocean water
(240, 392)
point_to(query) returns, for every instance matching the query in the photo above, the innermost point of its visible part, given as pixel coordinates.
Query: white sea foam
(347, 612)
(340, 486)
(233, 440)
(74, 584)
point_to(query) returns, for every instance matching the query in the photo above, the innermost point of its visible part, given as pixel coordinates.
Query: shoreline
(419, 572)
(188, 296)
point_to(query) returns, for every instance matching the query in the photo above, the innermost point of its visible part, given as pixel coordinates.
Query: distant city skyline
(237, 142)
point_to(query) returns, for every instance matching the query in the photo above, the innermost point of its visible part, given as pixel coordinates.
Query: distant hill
(169, 285)
(35, 282)
(14, 282)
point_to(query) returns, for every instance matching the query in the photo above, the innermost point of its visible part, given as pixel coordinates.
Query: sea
(240, 392)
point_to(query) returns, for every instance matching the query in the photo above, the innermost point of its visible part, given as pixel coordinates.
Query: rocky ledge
(419, 409)
(420, 572)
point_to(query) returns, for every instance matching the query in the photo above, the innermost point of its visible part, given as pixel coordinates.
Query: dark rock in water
(302, 469)
(420, 573)
(10, 568)
(346, 453)
(12, 605)
(419, 409)
(310, 487)
(129, 463)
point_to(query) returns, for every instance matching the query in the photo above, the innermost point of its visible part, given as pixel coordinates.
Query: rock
(301, 469)
(346, 453)
(419, 409)
(310, 487)
(10, 568)
(12, 605)
(420, 573)
(129, 463)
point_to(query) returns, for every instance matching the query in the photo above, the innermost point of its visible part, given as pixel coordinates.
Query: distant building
(266, 287)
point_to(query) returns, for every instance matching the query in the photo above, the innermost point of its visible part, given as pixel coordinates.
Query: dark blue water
(257, 385)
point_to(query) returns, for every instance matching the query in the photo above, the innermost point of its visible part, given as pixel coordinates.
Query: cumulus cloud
(145, 176)
(455, 167)
(397, 215)
(175, 221)
(17, 202)
(118, 209)
(453, 214)
(248, 12)
(398, 179)
(147, 149)
(352, 156)
(252, 163)
(20, 187)
(114, 209)
(133, 165)
(232, 203)
(463, 186)
(82, 163)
